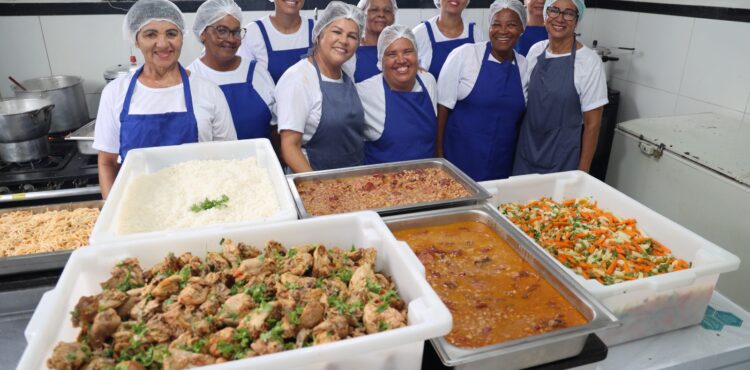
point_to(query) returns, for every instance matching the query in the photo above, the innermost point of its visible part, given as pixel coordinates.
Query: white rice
(162, 200)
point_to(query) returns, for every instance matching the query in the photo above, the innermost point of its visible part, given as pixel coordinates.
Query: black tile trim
(190, 6)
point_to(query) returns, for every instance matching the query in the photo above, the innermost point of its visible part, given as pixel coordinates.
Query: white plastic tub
(645, 306)
(150, 160)
(394, 349)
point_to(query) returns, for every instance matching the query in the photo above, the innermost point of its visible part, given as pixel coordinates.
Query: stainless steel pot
(24, 119)
(66, 92)
(119, 70)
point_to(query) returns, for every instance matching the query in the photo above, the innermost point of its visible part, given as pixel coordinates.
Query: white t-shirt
(209, 106)
(262, 81)
(424, 46)
(372, 93)
(461, 70)
(588, 76)
(299, 100)
(254, 47)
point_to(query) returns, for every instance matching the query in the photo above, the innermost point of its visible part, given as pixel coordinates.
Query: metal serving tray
(524, 352)
(41, 261)
(84, 137)
(478, 193)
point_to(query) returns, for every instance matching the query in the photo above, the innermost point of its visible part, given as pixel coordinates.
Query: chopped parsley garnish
(207, 204)
(373, 286)
(258, 292)
(344, 274)
(382, 326)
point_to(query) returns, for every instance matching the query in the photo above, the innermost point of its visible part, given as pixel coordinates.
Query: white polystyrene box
(645, 306)
(150, 160)
(399, 348)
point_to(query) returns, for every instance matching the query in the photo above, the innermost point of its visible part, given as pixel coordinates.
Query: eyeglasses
(568, 14)
(224, 32)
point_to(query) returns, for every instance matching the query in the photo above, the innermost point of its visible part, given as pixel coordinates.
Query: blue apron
(410, 128)
(440, 50)
(480, 135)
(151, 130)
(251, 116)
(367, 63)
(550, 138)
(279, 61)
(339, 140)
(530, 36)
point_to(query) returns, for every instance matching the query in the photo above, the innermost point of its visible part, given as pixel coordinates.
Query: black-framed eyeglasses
(224, 32)
(568, 14)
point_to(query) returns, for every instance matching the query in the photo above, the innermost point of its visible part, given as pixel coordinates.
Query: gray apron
(339, 139)
(550, 137)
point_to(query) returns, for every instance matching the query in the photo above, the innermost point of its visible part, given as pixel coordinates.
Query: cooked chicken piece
(324, 336)
(389, 318)
(166, 287)
(334, 287)
(180, 359)
(111, 299)
(255, 321)
(363, 257)
(216, 262)
(168, 266)
(360, 278)
(231, 252)
(311, 315)
(100, 363)
(302, 338)
(336, 256)
(334, 327)
(249, 269)
(321, 262)
(224, 336)
(293, 286)
(211, 306)
(125, 275)
(235, 308)
(177, 319)
(298, 264)
(105, 324)
(85, 310)
(67, 356)
(130, 365)
(195, 293)
(187, 259)
(158, 331)
(145, 309)
(203, 326)
(264, 347)
(274, 249)
(121, 339)
(134, 296)
(248, 251)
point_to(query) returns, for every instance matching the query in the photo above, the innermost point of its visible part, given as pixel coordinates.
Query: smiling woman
(380, 14)
(158, 104)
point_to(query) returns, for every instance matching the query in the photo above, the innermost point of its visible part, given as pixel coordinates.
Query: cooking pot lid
(119, 71)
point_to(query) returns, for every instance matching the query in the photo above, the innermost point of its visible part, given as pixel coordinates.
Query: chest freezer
(695, 170)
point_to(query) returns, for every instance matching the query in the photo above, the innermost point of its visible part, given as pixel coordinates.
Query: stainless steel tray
(84, 137)
(478, 193)
(528, 351)
(41, 261)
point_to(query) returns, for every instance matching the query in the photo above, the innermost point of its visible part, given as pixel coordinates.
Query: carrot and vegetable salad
(594, 243)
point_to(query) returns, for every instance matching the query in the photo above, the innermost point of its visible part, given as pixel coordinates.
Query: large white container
(645, 306)
(150, 160)
(694, 169)
(400, 348)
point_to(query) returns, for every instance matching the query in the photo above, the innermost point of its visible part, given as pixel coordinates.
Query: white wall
(681, 65)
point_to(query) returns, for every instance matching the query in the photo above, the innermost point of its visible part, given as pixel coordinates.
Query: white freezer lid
(716, 142)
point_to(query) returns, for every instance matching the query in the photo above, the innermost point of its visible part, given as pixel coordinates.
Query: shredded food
(25, 232)
(594, 243)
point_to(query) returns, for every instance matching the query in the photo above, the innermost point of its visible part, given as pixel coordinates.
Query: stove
(64, 175)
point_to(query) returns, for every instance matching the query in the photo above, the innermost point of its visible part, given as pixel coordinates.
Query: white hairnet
(513, 5)
(338, 10)
(364, 4)
(212, 11)
(437, 3)
(391, 34)
(144, 11)
(580, 5)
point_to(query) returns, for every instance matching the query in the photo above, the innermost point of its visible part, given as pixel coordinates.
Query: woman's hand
(592, 121)
(108, 168)
(291, 151)
(442, 119)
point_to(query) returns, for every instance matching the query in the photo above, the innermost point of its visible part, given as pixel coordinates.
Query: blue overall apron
(410, 128)
(440, 50)
(339, 140)
(251, 116)
(480, 135)
(280, 60)
(550, 137)
(367, 63)
(530, 36)
(151, 130)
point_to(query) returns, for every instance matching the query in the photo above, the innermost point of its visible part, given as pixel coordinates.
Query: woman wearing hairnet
(379, 14)
(482, 97)
(439, 35)
(248, 89)
(279, 40)
(535, 30)
(399, 103)
(320, 116)
(158, 104)
(566, 95)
